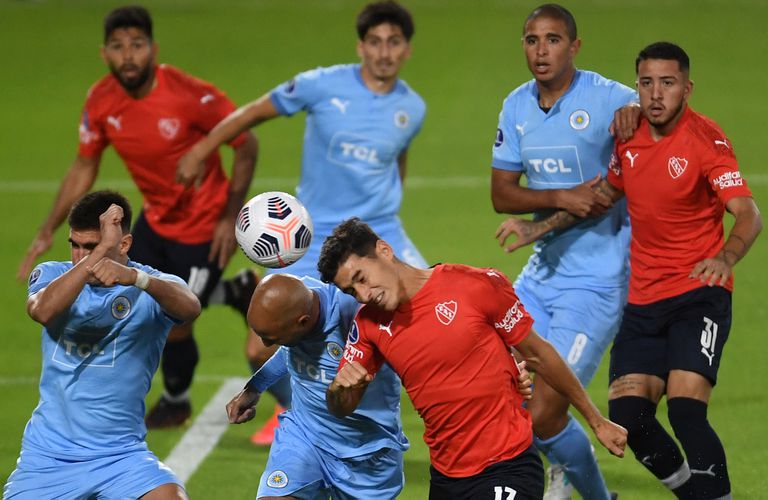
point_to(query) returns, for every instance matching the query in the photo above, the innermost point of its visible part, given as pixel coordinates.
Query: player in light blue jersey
(554, 130)
(105, 321)
(317, 455)
(360, 121)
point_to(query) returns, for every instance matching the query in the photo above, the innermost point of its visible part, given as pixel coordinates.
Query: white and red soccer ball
(274, 229)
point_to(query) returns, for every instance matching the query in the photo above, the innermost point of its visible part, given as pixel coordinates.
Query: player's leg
(294, 468)
(166, 492)
(136, 474)
(697, 339)
(638, 373)
(38, 477)
(582, 324)
(378, 475)
(520, 478)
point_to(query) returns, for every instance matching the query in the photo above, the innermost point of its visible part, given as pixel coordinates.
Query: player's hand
(224, 243)
(583, 200)
(612, 436)
(190, 169)
(41, 244)
(524, 381)
(242, 407)
(712, 271)
(625, 121)
(351, 376)
(110, 228)
(525, 231)
(110, 273)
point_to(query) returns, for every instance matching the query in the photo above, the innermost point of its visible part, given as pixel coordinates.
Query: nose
(541, 49)
(363, 293)
(656, 91)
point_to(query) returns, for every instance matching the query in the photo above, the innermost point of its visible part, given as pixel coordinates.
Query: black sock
(178, 365)
(652, 445)
(702, 447)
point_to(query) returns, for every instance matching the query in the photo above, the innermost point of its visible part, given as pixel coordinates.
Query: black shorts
(520, 478)
(685, 332)
(188, 262)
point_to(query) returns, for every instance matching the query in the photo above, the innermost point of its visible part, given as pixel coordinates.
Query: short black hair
(558, 12)
(352, 236)
(666, 51)
(85, 213)
(388, 11)
(131, 16)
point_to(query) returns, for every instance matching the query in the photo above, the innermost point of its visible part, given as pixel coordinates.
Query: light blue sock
(572, 449)
(281, 390)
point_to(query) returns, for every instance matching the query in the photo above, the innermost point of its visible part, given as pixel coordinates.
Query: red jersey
(449, 345)
(676, 192)
(150, 135)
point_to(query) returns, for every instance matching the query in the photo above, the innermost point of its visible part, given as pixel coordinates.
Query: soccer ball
(274, 229)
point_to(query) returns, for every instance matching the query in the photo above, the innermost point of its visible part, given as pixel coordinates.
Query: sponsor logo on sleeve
(87, 136)
(614, 164)
(35, 275)
(728, 180)
(513, 315)
(290, 86)
(354, 334)
(446, 311)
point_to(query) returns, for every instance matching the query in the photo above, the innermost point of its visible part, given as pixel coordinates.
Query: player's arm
(547, 363)
(527, 232)
(242, 407)
(192, 165)
(224, 243)
(175, 299)
(77, 181)
(345, 392)
(509, 197)
(716, 270)
(402, 165)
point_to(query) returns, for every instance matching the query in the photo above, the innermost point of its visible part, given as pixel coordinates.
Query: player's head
(384, 30)
(550, 42)
(361, 264)
(129, 49)
(85, 226)
(283, 310)
(663, 84)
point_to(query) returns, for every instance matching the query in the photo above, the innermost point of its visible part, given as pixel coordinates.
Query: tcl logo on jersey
(511, 318)
(676, 166)
(728, 180)
(552, 166)
(72, 351)
(356, 151)
(446, 311)
(168, 127)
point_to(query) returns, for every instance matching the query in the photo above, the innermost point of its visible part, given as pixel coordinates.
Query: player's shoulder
(176, 79)
(407, 90)
(330, 74)
(369, 315)
(103, 92)
(706, 134)
(45, 272)
(524, 91)
(469, 274)
(594, 79)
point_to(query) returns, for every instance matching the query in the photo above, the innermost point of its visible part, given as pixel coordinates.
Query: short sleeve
(722, 170)
(620, 95)
(359, 347)
(614, 169)
(506, 144)
(503, 309)
(42, 275)
(93, 140)
(298, 94)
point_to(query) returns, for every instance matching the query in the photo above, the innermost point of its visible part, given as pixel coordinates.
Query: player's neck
(413, 280)
(551, 91)
(659, 132)
(376, 85)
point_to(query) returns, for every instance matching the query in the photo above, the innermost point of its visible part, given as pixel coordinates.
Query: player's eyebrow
(88, 246)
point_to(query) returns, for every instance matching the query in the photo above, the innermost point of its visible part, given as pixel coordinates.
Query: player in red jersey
(447, 332)
(152, 114)
(679, 174)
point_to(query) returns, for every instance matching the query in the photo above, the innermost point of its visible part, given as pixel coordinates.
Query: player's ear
(384, 250)
(688, 89)
(125, 244)
(359, 49)
(575, 47)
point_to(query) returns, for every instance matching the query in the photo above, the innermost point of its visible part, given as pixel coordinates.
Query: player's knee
(687, 416)
(634, 413)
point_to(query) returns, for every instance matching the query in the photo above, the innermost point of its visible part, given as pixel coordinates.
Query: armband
(273, 370)
(142, 280)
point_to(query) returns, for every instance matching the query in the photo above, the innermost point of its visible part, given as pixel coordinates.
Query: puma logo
(631, 158)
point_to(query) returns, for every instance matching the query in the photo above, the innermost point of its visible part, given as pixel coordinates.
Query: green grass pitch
(466, 58)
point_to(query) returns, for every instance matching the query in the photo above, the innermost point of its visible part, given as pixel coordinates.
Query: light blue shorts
(298, 468)
(579, 323)
(120, 476)
(389, 229)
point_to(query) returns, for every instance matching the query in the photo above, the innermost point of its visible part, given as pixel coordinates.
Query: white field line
(205, 432)
(289, 183)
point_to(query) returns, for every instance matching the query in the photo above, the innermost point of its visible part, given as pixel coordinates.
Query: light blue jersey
(360, 444)
(560, 149)
(352, 141)
(98, 363)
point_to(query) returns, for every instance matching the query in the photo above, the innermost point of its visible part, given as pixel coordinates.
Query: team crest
(446, 311)
(579, 119)
(277, 479)
(334, 350)
(354, 334)
(676, 166)
(121, 307)
(290, 87)
(499, 138)
(168, 127)
(401, 119)
(35, 275)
